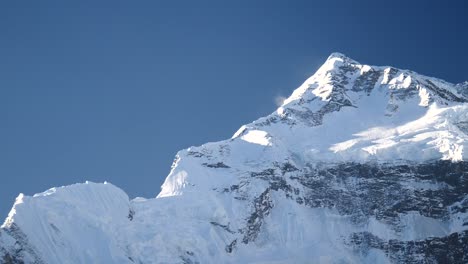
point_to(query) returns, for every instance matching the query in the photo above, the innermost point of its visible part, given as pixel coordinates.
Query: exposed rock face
(362, 164)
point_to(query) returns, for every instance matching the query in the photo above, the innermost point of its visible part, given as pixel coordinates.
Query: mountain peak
(364, 99)
(341, 77)
(337, 55)
(340, 56)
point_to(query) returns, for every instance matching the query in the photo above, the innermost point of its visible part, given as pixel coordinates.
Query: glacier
(361, 164)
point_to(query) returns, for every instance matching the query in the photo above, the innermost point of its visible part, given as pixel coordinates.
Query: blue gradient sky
(112, 90)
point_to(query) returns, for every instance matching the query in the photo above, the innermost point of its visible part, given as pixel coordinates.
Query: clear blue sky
(96, 90)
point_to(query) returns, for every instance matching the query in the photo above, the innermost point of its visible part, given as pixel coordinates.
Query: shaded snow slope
(361, 164)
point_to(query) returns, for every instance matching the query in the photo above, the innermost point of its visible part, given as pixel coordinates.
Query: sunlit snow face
(257, 137)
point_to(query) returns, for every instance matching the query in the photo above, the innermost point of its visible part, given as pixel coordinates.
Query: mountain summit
(361, 164)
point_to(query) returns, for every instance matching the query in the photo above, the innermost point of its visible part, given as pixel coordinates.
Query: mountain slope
(361, 164)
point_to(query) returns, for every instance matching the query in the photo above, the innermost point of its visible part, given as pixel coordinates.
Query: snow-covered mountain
(361, 164)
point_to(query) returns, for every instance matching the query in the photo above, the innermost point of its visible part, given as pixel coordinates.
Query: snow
(64, 223)
(257, 137)
(419, 129)
(239, 132)
(425, 138)
(401, 118)
(425, 97)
